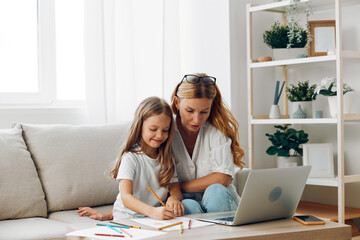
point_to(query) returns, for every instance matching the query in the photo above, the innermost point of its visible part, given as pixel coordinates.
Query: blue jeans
(216, 198)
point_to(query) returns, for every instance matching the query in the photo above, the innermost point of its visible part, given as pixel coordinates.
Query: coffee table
(282, 229)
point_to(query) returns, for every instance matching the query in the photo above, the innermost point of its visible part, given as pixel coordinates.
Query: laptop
(268, 194)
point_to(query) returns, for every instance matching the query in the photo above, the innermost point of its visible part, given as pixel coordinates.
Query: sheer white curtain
(140, 48)
(124, 56)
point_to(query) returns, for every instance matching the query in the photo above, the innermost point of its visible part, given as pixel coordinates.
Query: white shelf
(295, 61)
(317, 5)
(330, 182)
(295, 121)
(352, 178)
(264, 119)
(334, 61)
(351, 54)
(276, 6)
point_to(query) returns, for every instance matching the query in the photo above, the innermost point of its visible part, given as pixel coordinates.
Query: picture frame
(323, 37)
(320, 157)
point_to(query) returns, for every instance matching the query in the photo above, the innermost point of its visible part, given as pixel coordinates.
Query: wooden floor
(329, 211)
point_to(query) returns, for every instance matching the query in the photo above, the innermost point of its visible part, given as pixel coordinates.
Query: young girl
(146, 160)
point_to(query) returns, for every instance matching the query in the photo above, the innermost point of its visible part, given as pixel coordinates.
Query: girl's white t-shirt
(142, 170)
(212, 153)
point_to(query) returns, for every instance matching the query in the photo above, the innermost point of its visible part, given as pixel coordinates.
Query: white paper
(161, 223)
(136, 233)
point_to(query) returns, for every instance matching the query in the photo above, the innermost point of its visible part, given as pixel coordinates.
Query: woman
(206, 146)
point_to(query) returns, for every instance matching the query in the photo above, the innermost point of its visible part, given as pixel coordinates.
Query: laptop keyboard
(228, 219)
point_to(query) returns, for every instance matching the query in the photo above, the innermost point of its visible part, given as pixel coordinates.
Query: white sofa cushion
(73, 162)
(240, 179)
(32, 229)
(74, 221)
(21, 193)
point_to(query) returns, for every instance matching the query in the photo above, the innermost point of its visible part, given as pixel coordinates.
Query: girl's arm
(173, 201)
(200, 184)
(139, 206)
(96, 215)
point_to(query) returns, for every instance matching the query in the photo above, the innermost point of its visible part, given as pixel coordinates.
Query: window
(69, 25)
(18, 46)
(41, 51)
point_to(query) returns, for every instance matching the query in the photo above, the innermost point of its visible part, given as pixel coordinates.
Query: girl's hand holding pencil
(161, 213)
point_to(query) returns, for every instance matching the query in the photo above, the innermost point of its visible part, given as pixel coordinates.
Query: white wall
(205, 40)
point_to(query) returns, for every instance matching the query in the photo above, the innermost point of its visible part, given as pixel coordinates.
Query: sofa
(48, 171)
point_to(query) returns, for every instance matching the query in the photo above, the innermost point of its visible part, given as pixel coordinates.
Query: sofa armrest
(240, 179)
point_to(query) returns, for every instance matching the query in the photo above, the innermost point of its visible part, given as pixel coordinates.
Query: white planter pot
(291, 161)
(287, 53)
(306, 106)
(347, 99)
(274, 112)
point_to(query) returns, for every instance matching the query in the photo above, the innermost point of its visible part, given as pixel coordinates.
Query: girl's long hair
(220, 115)
(149, 107)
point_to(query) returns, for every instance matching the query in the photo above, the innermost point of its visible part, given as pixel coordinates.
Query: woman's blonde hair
(149, 107)
(220, 115)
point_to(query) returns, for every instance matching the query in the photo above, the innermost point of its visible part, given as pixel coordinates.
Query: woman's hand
(174, 204)
(96, 215)
(161, 213)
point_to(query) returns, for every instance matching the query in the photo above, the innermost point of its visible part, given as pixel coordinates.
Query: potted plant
(277, 38)
(286, 145)
(328, 88)
(301, 97)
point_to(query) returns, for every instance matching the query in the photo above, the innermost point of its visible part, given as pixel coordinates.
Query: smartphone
(308, 220)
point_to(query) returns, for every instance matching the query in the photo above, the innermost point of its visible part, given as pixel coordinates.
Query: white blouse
(212, 153)
(142, 170)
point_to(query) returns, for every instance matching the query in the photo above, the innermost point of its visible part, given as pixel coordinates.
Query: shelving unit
(336, 60)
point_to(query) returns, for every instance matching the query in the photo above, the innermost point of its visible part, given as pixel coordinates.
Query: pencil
(115, 226)
(181, 229)
(108, 235)
(174, 224)
(189, 224)
(126, 232)
(122, 224)
(113, 229)
(155, 195)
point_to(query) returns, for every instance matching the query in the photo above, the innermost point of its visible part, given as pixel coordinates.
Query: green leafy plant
(292, 21)
(328, 87)
(302, 92)
(285, 139)
(278, 36)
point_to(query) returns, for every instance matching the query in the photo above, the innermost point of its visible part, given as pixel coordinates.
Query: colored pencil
(174, 224)
(181, 229)
(108, 235)
(126, 232)
(115, 226)
(155, 195)
(122, 224)
(114, 229)
(189, 224)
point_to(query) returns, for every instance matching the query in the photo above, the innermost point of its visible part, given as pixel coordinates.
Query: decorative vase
(287, 53)
(290, 161)
(299, 113)
(347, 100)
(306, 107)
(274, 112)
